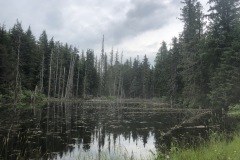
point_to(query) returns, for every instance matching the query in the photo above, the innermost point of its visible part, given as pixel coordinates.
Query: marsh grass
(23, 149)
(220, 147)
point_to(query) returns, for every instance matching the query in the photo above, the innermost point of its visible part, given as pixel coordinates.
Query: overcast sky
(135, 26)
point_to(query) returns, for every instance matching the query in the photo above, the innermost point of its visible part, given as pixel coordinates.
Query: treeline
(61, 71)
(200, 69)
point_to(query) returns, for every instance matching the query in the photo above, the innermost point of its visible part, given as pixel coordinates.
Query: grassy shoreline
(220, 146)
(216, 149)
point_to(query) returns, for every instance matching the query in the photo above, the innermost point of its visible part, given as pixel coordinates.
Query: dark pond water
(85, 131)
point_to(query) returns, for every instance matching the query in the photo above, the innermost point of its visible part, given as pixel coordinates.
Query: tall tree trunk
(42, 74)
(63, 84)
(18, 77)
(120, 77)
(111, 74)
(56, 76)
(85, 84)
(77, 81)
(101, 68)
(50, 75)
(59, 81)
(70, 78)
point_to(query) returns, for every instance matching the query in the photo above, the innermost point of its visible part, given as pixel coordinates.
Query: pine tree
(16, 38)
(145, 78)
(127, 78)
(175, 84)
(161, 74)
(223, 16)
(30, 61)
(43, 49)
(7, 62)
(223, 44)
(91, 78)
(135, 89)
(192, 17)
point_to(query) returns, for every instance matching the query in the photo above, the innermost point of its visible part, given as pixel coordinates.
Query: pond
(86, 131)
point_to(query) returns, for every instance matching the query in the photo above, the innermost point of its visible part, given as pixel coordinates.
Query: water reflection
(71, 131)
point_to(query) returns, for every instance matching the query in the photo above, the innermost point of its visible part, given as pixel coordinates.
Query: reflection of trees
(58, 127)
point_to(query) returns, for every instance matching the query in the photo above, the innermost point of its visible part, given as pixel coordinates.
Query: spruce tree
(7, 62)
(191, 53)
(161, 74)
(175, 82)
(223, 44)
(45, 57)
(145, 78)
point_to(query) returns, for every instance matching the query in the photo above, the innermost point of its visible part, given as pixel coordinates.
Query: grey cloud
(132, 17)
(143, 9)
(145, 15)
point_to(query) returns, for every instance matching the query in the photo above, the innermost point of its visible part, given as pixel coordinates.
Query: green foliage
(7, 97)
(26, 96)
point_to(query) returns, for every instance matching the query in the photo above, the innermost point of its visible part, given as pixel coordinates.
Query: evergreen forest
(199, 69)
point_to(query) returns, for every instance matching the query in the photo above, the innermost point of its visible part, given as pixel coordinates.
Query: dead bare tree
(120, 78)
(17, 89)
(42, 74)
(56, 74)
(78, 79)
(101, 63)
(69, 85)
(63, 84)
(50, 75)
(85, 84)
(115, 74)
(59, 80)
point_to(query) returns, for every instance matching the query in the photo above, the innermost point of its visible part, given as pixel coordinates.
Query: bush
(27, 96)
(234, 110)
(235, 107)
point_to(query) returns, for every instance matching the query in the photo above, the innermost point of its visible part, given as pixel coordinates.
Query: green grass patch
(219, 148)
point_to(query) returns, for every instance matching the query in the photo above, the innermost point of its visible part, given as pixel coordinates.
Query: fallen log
(188, 121)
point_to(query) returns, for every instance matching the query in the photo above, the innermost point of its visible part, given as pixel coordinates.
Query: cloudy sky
(135, 26)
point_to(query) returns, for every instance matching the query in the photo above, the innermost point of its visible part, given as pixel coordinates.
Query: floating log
(190, 120)
(202, 127)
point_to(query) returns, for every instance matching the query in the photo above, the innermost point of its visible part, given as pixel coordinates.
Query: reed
(220, 147)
